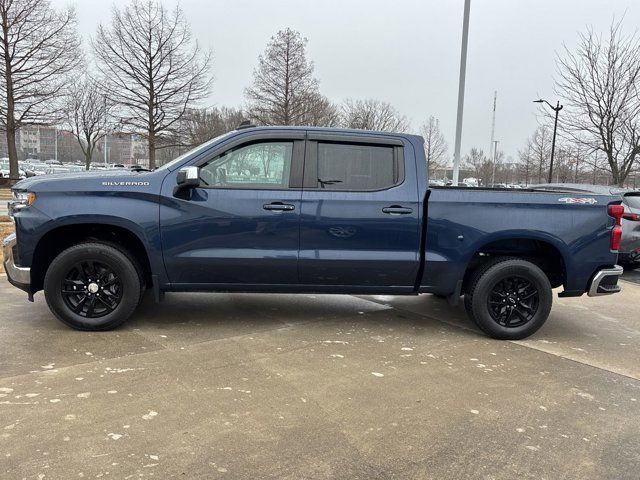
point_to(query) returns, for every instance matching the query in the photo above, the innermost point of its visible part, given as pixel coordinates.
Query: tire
(629, 265)
(132, 259)
(468, 306)
(93, 287)
(523, 288)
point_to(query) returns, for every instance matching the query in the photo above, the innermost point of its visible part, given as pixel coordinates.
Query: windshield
(194, 151)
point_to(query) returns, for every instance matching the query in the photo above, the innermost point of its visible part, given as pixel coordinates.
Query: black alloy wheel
(92, 289)
(513, 301)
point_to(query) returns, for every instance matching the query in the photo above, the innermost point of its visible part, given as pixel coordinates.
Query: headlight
(20, 200)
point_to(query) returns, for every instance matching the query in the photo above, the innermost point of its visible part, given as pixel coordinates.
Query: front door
(240, 226)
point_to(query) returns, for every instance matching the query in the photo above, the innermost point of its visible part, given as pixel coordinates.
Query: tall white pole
(56, 134)
(463, 72)
(493, 124)
(495, 154)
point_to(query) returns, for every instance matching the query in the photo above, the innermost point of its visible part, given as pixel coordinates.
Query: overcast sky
(405, 52)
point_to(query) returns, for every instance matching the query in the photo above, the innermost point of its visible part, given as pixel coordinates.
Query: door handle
(397, 210)
(279, 207)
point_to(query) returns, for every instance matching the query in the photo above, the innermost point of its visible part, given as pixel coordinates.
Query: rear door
(360, 213)
(240, 226)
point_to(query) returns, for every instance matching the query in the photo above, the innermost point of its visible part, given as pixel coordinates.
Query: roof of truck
(349, 131)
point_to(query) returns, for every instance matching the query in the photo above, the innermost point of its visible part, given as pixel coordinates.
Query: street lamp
(556, 109)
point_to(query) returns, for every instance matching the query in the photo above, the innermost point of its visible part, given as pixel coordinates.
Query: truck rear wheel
(509, 299)
(92, 286)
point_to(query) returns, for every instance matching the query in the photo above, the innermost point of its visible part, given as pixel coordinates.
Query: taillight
(616, 211)
(634, 217)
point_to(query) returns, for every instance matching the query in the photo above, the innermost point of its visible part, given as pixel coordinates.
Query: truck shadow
(250, 312)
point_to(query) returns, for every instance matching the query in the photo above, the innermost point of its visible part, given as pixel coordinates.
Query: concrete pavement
(632, 276)
(316, 386)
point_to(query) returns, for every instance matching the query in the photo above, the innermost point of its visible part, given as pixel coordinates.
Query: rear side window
(357, 167)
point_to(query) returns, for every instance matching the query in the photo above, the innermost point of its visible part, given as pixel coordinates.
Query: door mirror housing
(188, 177)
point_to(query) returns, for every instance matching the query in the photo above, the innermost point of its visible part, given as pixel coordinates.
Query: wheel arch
(114, 231)
(546, 251)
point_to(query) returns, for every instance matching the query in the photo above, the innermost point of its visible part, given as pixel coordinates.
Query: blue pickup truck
(298, 210)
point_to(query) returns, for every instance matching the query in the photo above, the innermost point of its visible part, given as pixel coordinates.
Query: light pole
(556, 109)
(463, 73)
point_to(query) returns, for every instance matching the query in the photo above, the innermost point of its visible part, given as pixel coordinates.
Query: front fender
(134, 211)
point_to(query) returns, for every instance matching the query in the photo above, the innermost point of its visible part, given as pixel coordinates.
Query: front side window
(356, 167)
(261, 166)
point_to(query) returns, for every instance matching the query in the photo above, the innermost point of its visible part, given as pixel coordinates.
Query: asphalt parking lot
(316, 386)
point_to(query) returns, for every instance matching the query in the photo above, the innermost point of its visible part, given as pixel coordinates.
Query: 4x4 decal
(583, 201)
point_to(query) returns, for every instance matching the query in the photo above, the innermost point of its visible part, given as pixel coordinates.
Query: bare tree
(87, 115)
(539, 151)
(527, 163)
(322, 113)
(284, 90)
(201, 125)
(153, 69)
(39, 48)
(481, 166)
(599, 83)
(371, 114)
(435, 146)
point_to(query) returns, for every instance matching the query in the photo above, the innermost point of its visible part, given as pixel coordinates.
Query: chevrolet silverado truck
(301, 210)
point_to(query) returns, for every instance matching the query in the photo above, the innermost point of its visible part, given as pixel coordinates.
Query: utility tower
(493, 125)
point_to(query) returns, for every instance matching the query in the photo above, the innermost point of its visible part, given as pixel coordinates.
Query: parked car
(35, 170)
(293, 210)
(5, 171)
(629, 253)
(471, 182)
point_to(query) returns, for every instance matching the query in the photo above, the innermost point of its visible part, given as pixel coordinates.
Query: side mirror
(188, 177)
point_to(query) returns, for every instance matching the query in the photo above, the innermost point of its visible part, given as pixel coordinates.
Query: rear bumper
(17, 276)
(605, 281)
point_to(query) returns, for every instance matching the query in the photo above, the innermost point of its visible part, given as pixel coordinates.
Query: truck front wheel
(92, 286)
(509, 299)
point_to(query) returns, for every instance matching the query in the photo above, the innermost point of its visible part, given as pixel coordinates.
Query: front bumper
(18, 276)
(605, 281)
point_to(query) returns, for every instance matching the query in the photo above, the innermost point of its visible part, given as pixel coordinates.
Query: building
(45, 143)
(123, 148)
(33, 141)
